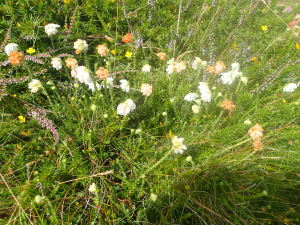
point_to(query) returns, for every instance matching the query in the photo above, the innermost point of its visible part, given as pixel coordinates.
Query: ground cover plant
(150, 112)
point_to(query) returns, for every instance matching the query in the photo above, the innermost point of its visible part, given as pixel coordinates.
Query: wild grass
(139, 179)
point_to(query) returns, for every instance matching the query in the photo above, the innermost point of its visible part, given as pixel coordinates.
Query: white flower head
(153, 197)
(39, 199)
(191, 97)
(51, 29)
(124, 85)
(198, 63)
(180, 66)
(146, 68)
(108, 82)
(178, 146)
(80, 45)
(11, 47)
(244, 79)
(146, 89)
(34, 85)
(56, 63)
(93, 188)
(291, 87)
(83, 75)
(205, 92)
(126, 107)
(196, 109)
(229, 77)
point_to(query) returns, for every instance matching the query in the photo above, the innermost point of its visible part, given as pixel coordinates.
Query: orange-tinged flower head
(219, 67)
(16, 58)
(227, 105)
(71, 63)
(162, 56)
(257, 144)
(211, 70)
(127, 38)
(102, 50)
(102, 73)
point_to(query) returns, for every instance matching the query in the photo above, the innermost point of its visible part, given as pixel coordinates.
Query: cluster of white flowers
(146, 68)
(229, 77)
(81, 73)
(291, 87)
(126, 107)
(80, 45)
(125, 85)
(177, 145)
(205, 92)
(190, 97)
(34, 85)
(11, 47)
(56, 63)
(51, 29)
(175, 67)
(198, 63)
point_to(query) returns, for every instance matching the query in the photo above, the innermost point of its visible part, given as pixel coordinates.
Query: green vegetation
(102, 167)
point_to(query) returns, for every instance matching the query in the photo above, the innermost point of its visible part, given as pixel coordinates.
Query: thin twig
(94, 175)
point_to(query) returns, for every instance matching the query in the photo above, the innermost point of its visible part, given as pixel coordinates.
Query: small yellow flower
(283, 101)
(297, 46)
(234, 45)
(128, 55)
(264, 28)
(30, 50)
(18, 24)
(21, 119)
(113, 0)
(113, 52)
(67, 1)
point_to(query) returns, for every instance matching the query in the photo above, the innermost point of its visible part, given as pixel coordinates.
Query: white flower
(178, 146)
(291, 87)
(198, 63)
(83, 75)
(38, 199)
(244, 79)
(34, 85)
(247, 122)
(219, 94)
(93, 107)
(153, 197)
(180, 66)
(93, 188)
(80, 45)
(125, 85)
(11, 47)
(189, 159)
(51, 28)
(146, 68)
(108, 82)
(126, 107)
(164, 113)
(138, 131)
(56, 63)
(175, 66)
(205, 92)
(191, 97)
(229, 77)
(146, 89)
(196, 109)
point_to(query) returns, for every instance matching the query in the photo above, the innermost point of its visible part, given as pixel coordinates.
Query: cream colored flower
(196, 109)
(34, 85)
(80, 45)
(146, 68)
(126, 107)
(146, 89)
(93, 188)
(291, 87)
(198, 63)
(71, 63)
(51, 29)
(205, 92)
(102, 50)
(190, 97)
(178, 146)
(11, 47)
(124, 85)
(56, 63)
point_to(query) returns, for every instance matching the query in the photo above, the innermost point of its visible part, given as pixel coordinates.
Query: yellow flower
(297, 46)
(67, 1)
(21, 119)
(234, 45)
(30, 50)
(113, 52)
(128, 55)
(113, 0)
(264, 28)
